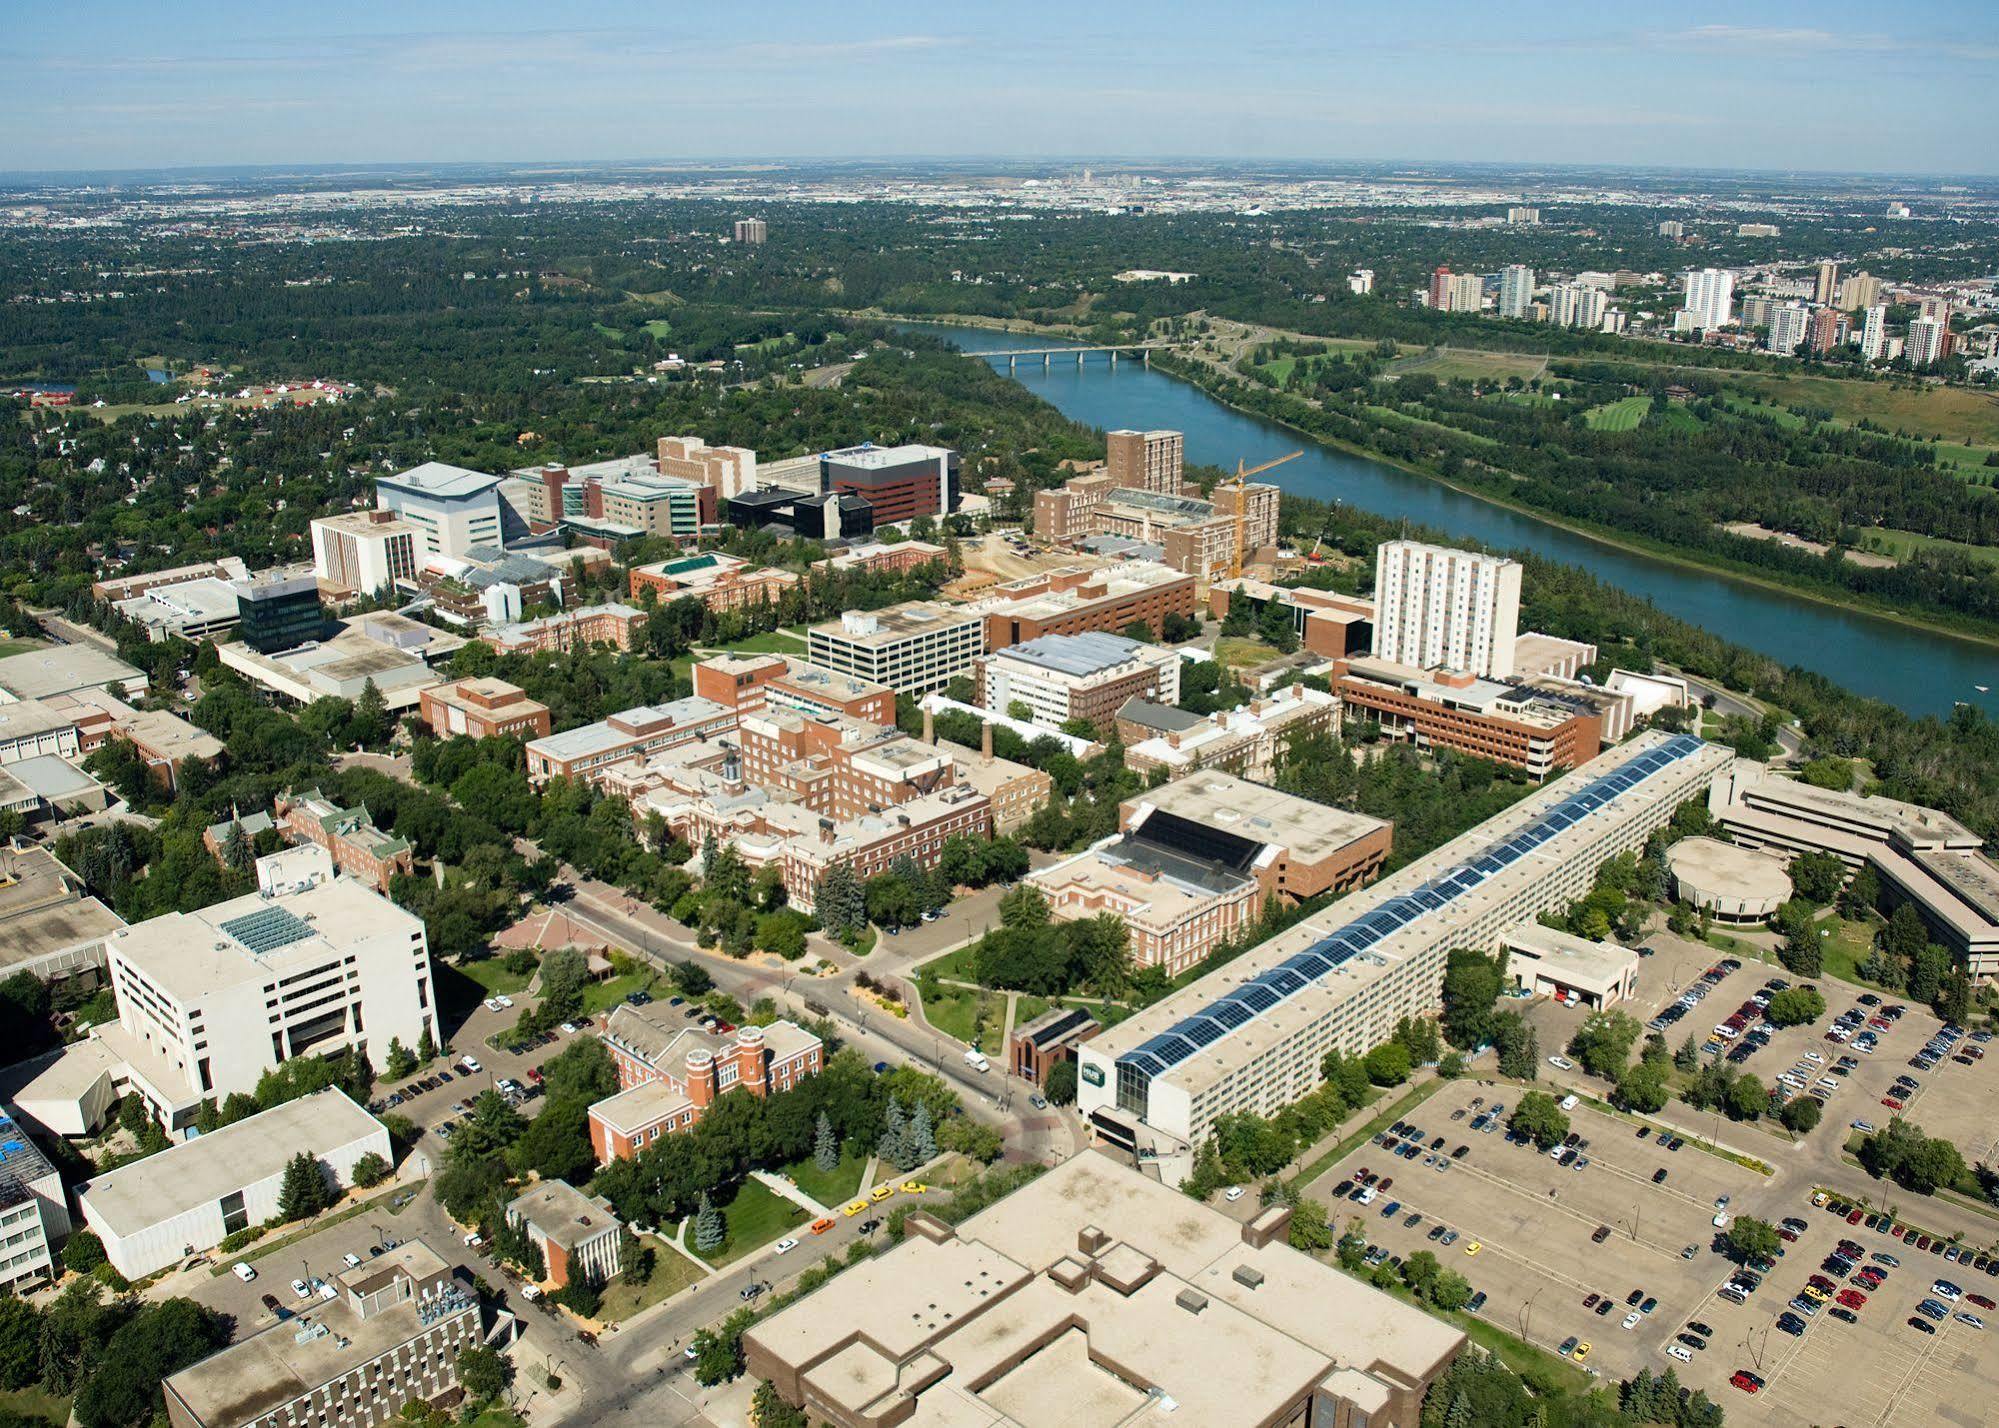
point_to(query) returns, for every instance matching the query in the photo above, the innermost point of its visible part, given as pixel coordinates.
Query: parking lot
(1549, 1236)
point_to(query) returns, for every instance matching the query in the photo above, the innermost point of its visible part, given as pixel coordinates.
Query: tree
(771, 1411)
(1518, 1045)
(1309, 1231)
(1817, 877)
(1644, 1087)
(1603, 1042)
(1953, 998)
(398, 1062)
(1800, 953)
(1388, 1064)
(1795, 1006)
(303, 1191)
(1862, 894)
(583, 1295)
(1472, 984)
(20, 1342)
(825, 1146)
(371, 1169)
(1451, 1065)
(369, 724)
(158, 1340)
(564, 975)
(894, 1144)
(1538, 1118)
(484, 1373)
(1060, 1086)
(841, 903)
(1748, 1238)
(1747, 1099)
(710, 1229)
(1802, 1114)
(922, 1138)
(1928, 970)
(83, 1252)
(236, 851)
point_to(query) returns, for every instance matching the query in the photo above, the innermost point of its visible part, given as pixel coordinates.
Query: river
(1918, 670)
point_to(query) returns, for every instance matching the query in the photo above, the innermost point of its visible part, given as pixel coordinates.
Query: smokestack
(986, 742)
(929, 725)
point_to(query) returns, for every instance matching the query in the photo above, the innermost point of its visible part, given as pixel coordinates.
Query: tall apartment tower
(1440, 286)
(1826, 290)
(1862, 290)
(1437, 608)
(749, 230)
(1672, 228)
(1709, 294)
(1874, 333)
(1789, 326)
(1926, 344)
(1516, 290)
(1146, 460)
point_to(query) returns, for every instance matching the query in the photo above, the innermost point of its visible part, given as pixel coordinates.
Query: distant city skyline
(1834, 86)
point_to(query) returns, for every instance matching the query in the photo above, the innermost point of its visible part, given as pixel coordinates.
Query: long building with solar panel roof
(1250, 1036)
(210, 1000)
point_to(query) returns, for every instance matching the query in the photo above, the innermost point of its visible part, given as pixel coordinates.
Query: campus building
(1437, 608)
(910, 648)
(154, 1213)
(127, 587)
(577, 1234)
(610, 624)
(1073, 601)
(1094, 1296)
(897, 559)
(1146, 460)
(746, 682)
(1920, 855)
(720, 582)
(390, 1335)
(837, 766)
(356, 846)
(452, 509)
(1187, 533)
(210, 1000)
(725, 470)
(1245, 740)
(1524, 725)
(34, 1212)
(1088, 676)
(278, 613)
(362, 552)
(186, 610)
(1250, 1036)
(1197, 861)
(1572, 970)
(586, 751)
(898, 482)
(1036, 1046)
(484, 708)
(670, 1072)
(391, 651)
(1326, 623)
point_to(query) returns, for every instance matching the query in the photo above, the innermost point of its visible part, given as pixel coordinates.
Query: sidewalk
(778, 1185)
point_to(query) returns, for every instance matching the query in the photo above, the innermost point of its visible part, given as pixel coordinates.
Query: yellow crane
(1241, 504)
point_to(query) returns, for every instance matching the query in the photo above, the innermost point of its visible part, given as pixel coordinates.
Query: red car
(1747, 1381)
(1898, 1230)
(1869, 1279)
(1788, 1234)
(1856, 1217)
(1922, 1242)
(1891, 1103)
(1852, 1298)
(1981, 1301)
(1820, 1282)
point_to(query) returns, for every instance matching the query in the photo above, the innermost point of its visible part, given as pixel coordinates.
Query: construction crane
(1242, 504)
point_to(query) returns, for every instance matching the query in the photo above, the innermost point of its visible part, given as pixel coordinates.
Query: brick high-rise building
(1147, 460)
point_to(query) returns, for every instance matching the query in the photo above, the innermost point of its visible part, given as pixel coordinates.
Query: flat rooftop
(877, 458)
(1495, 699)
(44, 908)
(1076, 655)
(169, 735)
(1019, 1316)
(62, 668)
(604, 736)
(563, 1214)
(1280, 987)
(272, 1368)
(201, 1171)
(441, 481)
(1309, 831)
(254, 937)
(1593, 962)
(1727, 870)
(895, 622)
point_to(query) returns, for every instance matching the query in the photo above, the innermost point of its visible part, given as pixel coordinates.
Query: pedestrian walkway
(779, 1185)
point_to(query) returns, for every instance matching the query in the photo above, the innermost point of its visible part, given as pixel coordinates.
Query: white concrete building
(1790, 324)
(363, 551)
(34, 1211)
(452, 509)
(1710, 293)
(210, 1000)
(1874, 333)
(1576, 305)
(1572, 970)
(1925, 343)
(1437, 608)
(1086, 676)
(912, 648)
(155, 1212)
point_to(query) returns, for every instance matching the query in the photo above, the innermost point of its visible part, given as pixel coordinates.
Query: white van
(977, 1061)
(1367, 1196)
(1569, 1103)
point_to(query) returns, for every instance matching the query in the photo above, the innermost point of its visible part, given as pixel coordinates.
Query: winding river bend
(1921, 671)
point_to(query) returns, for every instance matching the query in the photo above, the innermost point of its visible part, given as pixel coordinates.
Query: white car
(569, 1028)
(471, 1063)
(1561, 1063)
(786, 1246)
(504, 1001)
(1232, 1194)
(351, 1260)
(1631, 1319)
(530, 1292)
(242, 1271)
(1720, 1222)
(493, 1004)
(1680, 1352)
(299, 1289)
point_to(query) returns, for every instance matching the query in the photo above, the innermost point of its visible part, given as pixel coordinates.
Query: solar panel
(268, 928)
(1231, 1013)
(1199, 1030)
(1259, 997)
(1309, 964)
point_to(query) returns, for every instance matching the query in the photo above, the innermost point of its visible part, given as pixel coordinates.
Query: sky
(1756, 84)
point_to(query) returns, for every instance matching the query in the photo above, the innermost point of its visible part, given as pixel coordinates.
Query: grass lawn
(672, 1271)
(659, 327)
(1449, 363)
(756, 1217)
(1953, 413)
(1903, 544)
(602, 996)
(832, 1188)
(1849, 946)
(1400, 418)
(14, 647)
(956, 964)
(1027, 1008)
(1235, 653)
(492, 977)
(1677, 419)
(35, 1402)
(955, 1012)
(1621, 415)
(770, 642)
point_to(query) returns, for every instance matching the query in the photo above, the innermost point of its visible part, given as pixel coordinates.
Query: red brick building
(615, 625)
(1051, 1037)
(759, 681)
(1071, 601)
(838, 767)
(721, 582)
(1525, 727)
(586, 751)
(482, 709)
(358, 848)
(671, 1071)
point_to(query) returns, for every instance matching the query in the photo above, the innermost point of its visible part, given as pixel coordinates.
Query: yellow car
(1581, 1353)
(1474, 1247)
(882, 1192)
(855, 1208)
(913, 1187)
(1814, 1293)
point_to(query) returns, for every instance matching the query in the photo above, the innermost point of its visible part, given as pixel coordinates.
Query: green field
(491, 976)
(790, 641)
(14, 647)
(672, 1271)
(34, 1403)
(1399, 418)
(835, 1187)
(1448, 364)
(659, 327)
(756, 1216)
(1621, 415)
(1677, 419)
(1952, 413)
(602, 996)
(1903, 544)
(955, 1012)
